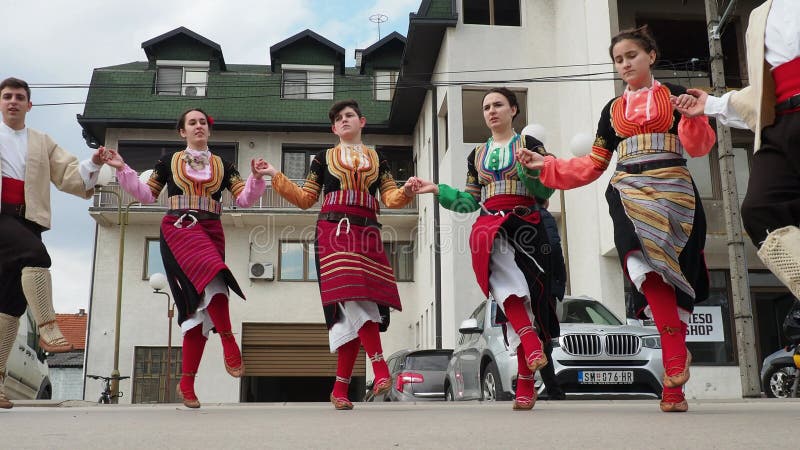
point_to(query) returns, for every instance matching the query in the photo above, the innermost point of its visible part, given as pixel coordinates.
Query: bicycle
(105, 396)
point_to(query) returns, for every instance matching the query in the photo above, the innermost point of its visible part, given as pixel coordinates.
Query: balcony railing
(269, 200)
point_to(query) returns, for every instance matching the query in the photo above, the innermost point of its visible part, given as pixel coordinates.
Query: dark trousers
(773, 193)
(548, 373)
(20, 246)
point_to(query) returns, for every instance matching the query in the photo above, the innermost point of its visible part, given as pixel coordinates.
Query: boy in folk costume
(770, 107)
(30, 161)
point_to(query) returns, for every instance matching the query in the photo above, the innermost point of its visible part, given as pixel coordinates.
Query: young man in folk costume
(770, 107)
(30, 161)
(356, 281)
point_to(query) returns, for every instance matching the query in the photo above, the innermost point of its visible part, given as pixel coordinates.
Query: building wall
(67, 383)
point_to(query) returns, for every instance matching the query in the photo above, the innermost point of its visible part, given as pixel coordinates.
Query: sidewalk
(580, 424)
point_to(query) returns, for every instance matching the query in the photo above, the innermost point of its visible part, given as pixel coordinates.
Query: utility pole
(740, 287)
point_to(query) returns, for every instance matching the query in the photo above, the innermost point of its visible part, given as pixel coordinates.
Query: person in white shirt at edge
(30, 161)
(770, 107)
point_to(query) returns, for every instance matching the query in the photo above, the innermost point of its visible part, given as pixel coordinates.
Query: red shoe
(382, 386)
(233, 363)
(189, 398)
(341, 403)
(523, 400)
(536, 360)
(674, 403)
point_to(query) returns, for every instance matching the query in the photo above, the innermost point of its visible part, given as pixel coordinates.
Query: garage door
(291, 349)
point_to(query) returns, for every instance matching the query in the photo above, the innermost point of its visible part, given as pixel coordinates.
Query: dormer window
(307, 81)
(187, 78)
(385, 82)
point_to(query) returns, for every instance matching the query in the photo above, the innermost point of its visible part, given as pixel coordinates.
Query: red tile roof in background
(74, 328)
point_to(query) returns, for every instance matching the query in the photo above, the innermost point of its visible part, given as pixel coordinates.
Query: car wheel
(45, 391)
(490, 385)
(779, 381)
(448, 396)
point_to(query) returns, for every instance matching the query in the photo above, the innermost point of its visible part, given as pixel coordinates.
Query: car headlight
(651, 341)
(554, 343)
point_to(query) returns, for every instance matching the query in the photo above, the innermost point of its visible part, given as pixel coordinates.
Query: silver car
(27, 374)
(596, 355)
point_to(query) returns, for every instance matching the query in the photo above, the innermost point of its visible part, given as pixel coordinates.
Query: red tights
(517, 315)
(193, 344)
(220, 316)
(663, 304)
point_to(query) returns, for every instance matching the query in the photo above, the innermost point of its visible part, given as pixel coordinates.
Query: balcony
(104, 209)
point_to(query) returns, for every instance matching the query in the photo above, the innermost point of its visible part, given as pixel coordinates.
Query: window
(385, 82)
(188, 78)
(150, 384)
(296, 262)
(309, 82)
(142, 155)
(297, 160)
(710, 337)
(400, 160)
(152, 258)
(401, 258)
(492, 12)
(474, 126)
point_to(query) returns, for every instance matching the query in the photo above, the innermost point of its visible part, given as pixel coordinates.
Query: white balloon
(581, 144)
(536, 130)
(144, 176)
(106, 175)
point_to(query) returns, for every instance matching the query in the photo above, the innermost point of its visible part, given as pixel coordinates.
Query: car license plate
(605, 377)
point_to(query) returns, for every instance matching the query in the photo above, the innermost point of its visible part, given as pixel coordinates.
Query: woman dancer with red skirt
(356, 281)
(659, 223)
(192, 239)
(509, 243)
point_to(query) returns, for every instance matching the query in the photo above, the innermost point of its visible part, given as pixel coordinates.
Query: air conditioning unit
(193, 91)
(261, 271)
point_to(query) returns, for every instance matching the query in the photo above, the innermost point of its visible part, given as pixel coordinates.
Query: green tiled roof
(243, 93)
(438, 9)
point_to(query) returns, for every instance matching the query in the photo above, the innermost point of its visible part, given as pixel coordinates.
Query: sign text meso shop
(705, 325)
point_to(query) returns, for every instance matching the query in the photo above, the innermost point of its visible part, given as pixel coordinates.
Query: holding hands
(416, 185)
(529, 159)
(690, 104)
(259, 168)
(111, 157)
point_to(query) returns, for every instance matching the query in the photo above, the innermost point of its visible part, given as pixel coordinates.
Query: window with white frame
(187, 78)
(385, 82)
(152, 258)
(491, 12)
(307, 82)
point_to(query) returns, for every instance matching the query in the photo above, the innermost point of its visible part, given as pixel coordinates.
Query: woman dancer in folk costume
(356, 282)
(659, 223)
(509, 243)
(192, 239)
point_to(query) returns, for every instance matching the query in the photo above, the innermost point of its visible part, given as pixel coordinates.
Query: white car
(596, 355)
(27, 373)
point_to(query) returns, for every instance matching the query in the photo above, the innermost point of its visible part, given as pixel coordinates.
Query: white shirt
(14, 149)
(782, 44)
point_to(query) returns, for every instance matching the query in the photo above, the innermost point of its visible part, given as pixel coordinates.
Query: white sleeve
(89, 172)
(720, 108)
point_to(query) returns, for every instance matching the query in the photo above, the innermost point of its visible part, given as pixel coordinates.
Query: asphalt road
(635, 424)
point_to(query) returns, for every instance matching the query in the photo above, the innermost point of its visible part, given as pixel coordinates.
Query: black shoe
(560, 395)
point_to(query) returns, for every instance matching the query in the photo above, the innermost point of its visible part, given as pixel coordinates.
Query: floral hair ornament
(210, 120)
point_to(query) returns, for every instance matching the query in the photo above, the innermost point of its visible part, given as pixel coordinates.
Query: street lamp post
(122, 219)
(158, 281)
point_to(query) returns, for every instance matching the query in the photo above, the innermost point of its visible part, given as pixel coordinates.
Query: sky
(61, 42)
